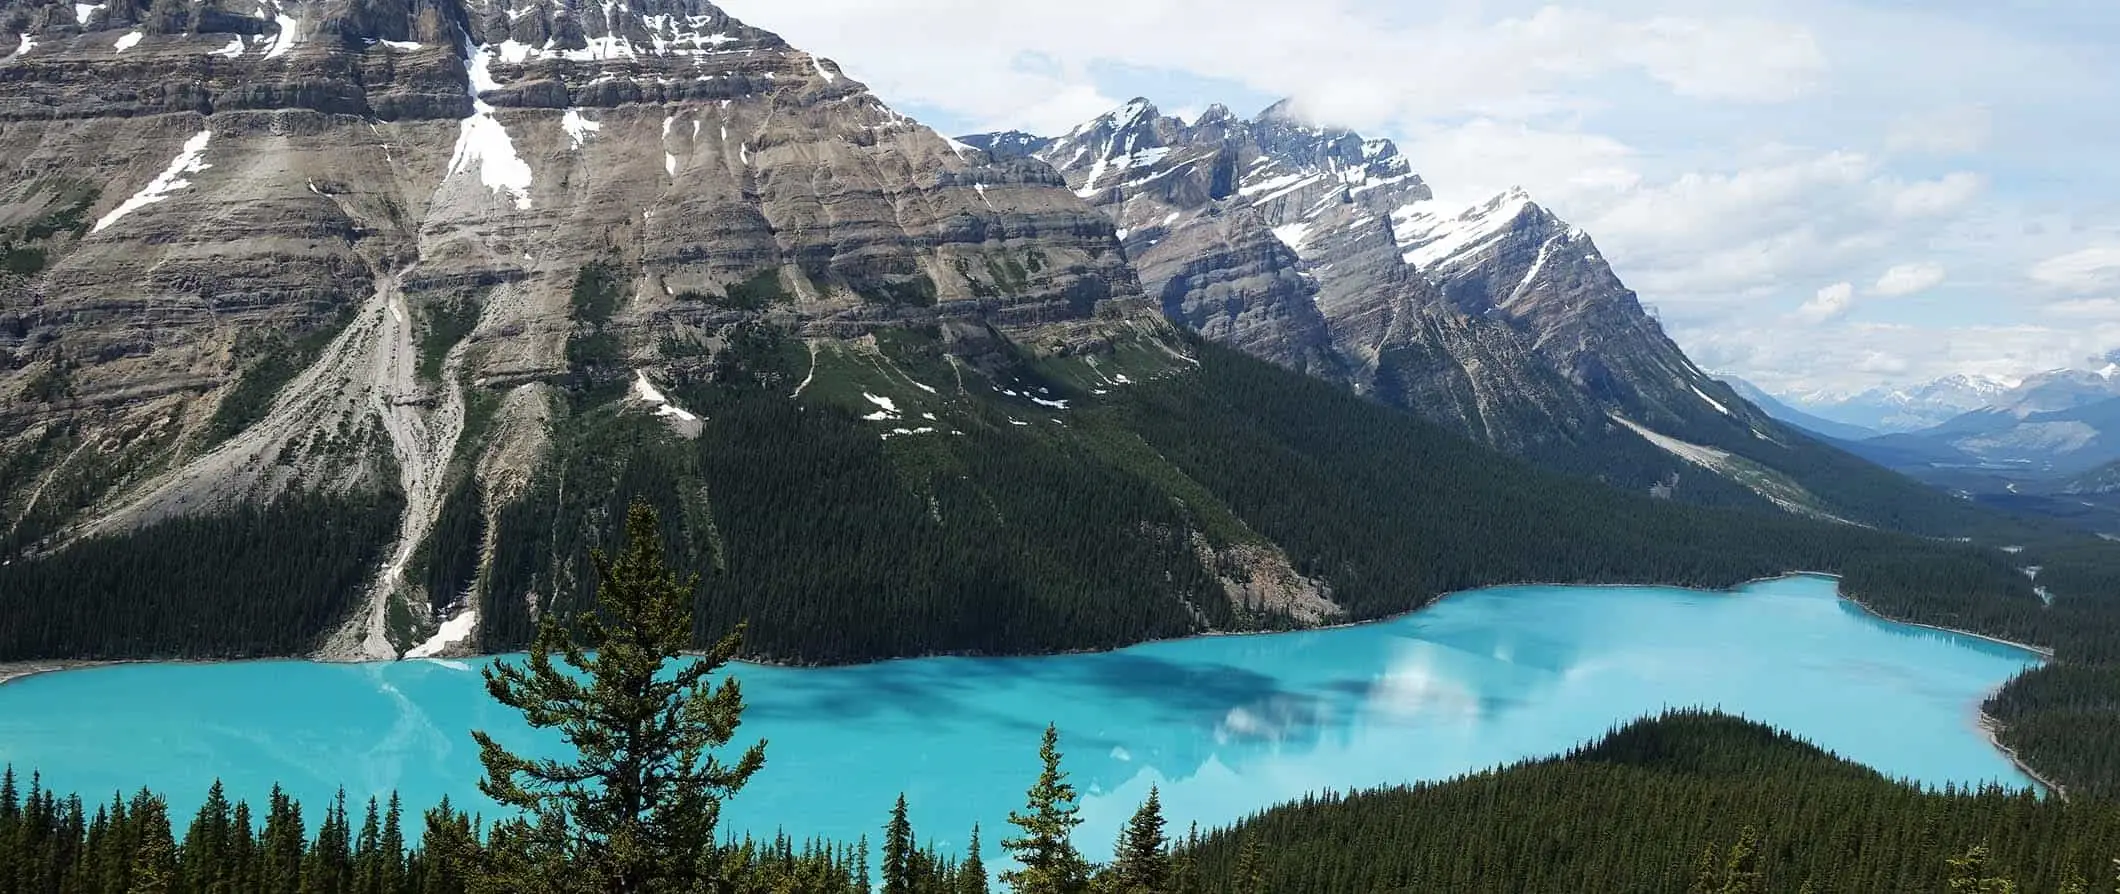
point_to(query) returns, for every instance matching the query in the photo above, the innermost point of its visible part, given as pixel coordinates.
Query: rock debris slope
(259, 246)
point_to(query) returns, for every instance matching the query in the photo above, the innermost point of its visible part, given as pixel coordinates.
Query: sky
(1821, 197)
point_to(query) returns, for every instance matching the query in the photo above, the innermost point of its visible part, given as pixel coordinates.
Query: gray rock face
(249, 247)
(1287, 241)
(1325, 252)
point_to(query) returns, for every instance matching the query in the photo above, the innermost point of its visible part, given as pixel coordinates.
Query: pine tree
(1050, 863)
(1140, 861)
(898, 851)
(203, 862)
(1250, 875)
(637, 809)
(391, 877)
(1740, 873)
(154, 847)
(861, 862)
(1969, 874)
(280, 870)
(1185, 865)
(242, 869)
(971, 874)
(368, 852)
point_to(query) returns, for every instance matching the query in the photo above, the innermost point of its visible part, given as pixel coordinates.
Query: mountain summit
(1324, 251)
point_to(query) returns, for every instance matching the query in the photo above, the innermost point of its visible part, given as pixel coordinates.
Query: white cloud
(2087, 308)
(1952, 130)
(1933, 197)
(1851, 356)
(1361, 62)
(1908, 279)
(1474, 160)
(2087, 270)
(1831, 302)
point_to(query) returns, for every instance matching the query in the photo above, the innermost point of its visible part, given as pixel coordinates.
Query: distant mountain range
(2056, 423)
(1779, 409)
(1903, 408)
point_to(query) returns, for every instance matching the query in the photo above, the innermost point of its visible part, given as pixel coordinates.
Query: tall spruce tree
(898, 851)
(1141, 859)
(971, 875)
(1046, 849)
(635, 812)
(1250, 877)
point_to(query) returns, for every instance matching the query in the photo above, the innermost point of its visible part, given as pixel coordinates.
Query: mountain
(1324, 252)
(1008, 144)
(2018, 436)
(2059, 390)
(1774, 407)
(1894, 410)
(369, 257)
(356, 344)
(2056, 423)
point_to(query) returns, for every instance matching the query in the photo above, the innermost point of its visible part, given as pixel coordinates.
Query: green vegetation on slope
(1662, 806)
(255, 581)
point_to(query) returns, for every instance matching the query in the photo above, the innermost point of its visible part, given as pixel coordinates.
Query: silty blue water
(1224, 725)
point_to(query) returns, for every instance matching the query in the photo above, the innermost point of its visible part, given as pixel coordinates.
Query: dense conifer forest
(1690, 802)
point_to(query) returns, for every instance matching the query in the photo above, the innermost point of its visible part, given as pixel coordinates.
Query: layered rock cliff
(1326, 252)
(254, 248)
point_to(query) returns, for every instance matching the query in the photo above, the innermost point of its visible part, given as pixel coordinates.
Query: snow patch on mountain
(578, 128)
(453, 631)
(482, 141)
(191, 161)
(1430, 235)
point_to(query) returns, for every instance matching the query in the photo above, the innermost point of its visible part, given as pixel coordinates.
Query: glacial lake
(1225, 725)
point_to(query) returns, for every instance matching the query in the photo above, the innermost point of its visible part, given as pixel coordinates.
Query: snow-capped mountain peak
(1431, 235)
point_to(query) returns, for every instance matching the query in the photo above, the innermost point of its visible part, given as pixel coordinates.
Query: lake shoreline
(10, 671)
(1992, 730)
(21, 670)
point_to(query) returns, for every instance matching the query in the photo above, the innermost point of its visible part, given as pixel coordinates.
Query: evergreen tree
(1741, 871)
(368, 852)
(637, 810)
(898, 851)
(861, 863)
(1050, 863)
(1140, 861)
(391, 875)
(1249, 877)
(204, 861)
(971, 874)
(1969, 874)
(280, 866)
(1184, 866)
(242, 872)
(154, 847)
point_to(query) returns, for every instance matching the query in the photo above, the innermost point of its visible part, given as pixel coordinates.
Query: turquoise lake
(1225, 725)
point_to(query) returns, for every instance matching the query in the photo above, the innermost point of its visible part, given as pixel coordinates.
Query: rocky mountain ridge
(347, 245)
(1323, 251)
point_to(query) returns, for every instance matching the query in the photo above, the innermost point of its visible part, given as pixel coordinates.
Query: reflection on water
(1224, 725)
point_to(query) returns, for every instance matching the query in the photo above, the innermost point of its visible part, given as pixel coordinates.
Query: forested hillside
(1682, 804)
(1041, 505)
